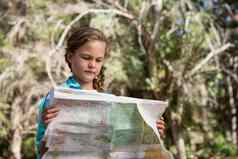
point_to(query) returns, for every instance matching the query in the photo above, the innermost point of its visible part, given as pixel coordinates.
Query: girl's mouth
(90, 72)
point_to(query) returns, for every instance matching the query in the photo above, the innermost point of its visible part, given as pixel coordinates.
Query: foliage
(202, 101)
(28, 149)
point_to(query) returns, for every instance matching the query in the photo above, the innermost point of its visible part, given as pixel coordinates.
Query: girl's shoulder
(46, 100)
(71, 82)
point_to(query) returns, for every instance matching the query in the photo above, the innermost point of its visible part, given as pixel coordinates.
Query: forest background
(183, 51)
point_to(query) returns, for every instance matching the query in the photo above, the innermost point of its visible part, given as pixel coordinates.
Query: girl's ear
(69, 57)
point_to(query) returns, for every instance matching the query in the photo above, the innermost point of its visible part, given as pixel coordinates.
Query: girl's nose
(92, 63)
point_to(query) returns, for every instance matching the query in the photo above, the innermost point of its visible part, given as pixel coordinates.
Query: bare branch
(169, 66)
(145, 7)
(233, 110)
(158, 6)
(143, 13)
(68, 27)
(53, 34)
(209, 56)
(139, 31)
(14, 35)
(231, 74)
(112, 11)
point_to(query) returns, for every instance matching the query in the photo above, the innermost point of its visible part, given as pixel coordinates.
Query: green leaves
(28, 149)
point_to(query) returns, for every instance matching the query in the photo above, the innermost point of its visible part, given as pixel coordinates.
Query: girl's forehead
(96, 43)
(94, 47)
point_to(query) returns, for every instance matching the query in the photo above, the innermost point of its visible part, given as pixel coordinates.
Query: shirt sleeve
(41, 127)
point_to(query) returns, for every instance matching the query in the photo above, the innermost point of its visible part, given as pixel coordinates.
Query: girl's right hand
(49, 114)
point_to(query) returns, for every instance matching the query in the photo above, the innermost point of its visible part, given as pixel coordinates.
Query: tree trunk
(177, 136)
(17, 136)
(16, 144)
(18, 7)
(205, 124)
(233, 111)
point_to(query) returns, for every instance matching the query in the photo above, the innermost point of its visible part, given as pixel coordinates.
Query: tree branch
(209, 56)
(68, 27)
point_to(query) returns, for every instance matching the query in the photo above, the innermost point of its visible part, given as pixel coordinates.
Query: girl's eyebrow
(85, 53)
(88, 54)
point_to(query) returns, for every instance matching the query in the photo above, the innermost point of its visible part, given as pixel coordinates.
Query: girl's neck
(87, 87)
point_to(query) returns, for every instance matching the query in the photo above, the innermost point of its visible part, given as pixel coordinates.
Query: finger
(48, 118)
(52, 110)
(160, 127)
(160, 122)
(162, 134)
(48, 121)
(50, 115)
(161, 118)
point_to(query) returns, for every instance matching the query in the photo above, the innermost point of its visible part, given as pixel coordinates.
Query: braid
(98, 83)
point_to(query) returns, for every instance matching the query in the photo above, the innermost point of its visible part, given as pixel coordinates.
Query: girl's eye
(86, 57)
(98, 60)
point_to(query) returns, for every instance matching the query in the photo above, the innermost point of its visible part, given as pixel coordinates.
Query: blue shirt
(45, 102)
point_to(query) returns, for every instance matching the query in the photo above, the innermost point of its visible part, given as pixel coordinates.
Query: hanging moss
(4, 63)
(37, 67)
(2, 37)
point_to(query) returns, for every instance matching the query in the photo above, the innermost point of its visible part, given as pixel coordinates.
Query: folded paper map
(92, 125)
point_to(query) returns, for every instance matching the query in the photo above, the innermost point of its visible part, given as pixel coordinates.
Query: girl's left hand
(161, 126)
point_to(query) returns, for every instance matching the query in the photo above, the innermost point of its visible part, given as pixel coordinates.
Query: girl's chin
(89, 79)
(86, 78)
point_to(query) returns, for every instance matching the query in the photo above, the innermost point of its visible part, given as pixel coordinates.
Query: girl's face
(86, 62)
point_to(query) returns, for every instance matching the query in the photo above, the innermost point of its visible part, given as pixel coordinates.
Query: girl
(87, 48)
